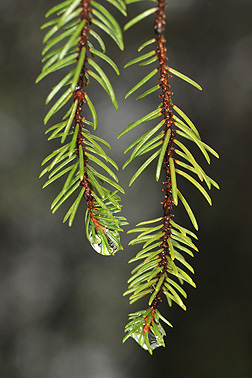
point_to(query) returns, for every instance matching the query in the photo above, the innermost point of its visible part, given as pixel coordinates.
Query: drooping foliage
(72, 46)
(161, 271)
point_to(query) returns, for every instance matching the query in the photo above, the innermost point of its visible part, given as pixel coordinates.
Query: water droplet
(153, 340)
(154, 343)
(97, 245)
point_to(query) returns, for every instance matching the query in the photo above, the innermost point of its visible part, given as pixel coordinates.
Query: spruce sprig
(161, 271)
(71, 44)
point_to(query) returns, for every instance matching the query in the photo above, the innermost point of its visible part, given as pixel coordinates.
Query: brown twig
(159, 28)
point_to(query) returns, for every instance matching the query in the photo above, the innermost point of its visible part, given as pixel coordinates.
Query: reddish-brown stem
(147, 326)
(159, 28)
(79, 96)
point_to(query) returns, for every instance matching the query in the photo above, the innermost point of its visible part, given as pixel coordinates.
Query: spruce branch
(70, 44)
(161, 273)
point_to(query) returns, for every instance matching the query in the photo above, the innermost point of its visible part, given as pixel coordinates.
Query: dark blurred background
(62, 313)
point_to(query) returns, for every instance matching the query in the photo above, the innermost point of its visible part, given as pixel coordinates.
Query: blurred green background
(62, 313)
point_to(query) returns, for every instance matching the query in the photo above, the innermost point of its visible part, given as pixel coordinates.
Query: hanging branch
(74, 21)
(161, 273)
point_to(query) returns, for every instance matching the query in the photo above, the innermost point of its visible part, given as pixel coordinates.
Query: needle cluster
(73, 46)
(161, 274)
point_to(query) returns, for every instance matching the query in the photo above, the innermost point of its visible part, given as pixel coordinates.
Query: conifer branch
(164, 241)
(73, 24)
